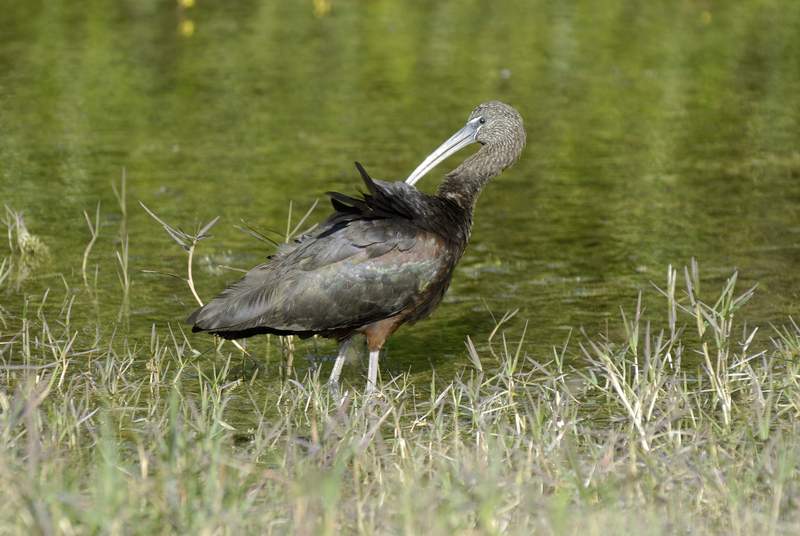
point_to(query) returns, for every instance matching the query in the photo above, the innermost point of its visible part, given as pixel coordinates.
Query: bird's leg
(372, 373)
(337, 366)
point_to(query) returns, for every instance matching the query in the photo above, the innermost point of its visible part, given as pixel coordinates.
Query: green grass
(634, 442)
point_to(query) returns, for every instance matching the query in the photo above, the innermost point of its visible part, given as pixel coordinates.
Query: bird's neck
(459, 192)
(464, 184)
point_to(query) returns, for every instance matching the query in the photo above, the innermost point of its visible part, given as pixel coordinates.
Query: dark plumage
(380, 261)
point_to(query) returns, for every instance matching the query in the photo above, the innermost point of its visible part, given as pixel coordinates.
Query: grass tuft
(689, 426)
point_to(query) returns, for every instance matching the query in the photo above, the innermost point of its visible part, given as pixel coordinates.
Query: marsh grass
(636, 441)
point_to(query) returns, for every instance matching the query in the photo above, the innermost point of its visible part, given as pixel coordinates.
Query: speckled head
(501, 131)
(501, 127)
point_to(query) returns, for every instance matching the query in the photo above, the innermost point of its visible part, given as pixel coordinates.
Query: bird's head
(493, 124)
(499, 126)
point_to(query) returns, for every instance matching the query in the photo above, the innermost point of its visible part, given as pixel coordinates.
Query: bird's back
(376, 257)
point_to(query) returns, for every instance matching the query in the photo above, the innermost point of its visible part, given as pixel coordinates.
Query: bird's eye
(482, 120)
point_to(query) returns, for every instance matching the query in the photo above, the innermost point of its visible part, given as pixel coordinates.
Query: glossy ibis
(382, 260)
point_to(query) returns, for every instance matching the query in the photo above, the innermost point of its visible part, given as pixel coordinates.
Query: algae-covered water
(657, 132)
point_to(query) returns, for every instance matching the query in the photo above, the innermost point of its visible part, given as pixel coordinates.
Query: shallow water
(656, 134)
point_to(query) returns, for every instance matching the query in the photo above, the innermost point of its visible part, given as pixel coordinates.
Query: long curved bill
(457, 141)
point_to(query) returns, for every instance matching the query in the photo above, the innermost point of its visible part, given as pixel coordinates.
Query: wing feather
(369, 261)
(365, 271)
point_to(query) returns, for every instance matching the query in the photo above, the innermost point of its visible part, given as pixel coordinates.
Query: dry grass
(135, 438)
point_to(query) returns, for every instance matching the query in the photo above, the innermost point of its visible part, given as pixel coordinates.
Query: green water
(657, 132)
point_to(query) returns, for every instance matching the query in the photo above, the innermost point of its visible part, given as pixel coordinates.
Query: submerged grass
(634, 442)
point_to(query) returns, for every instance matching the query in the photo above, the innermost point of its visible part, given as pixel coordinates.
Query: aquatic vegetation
(645, 438)
(27, 250)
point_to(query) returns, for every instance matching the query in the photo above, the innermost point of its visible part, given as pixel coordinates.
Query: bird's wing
(344, 275)
(391, 200)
